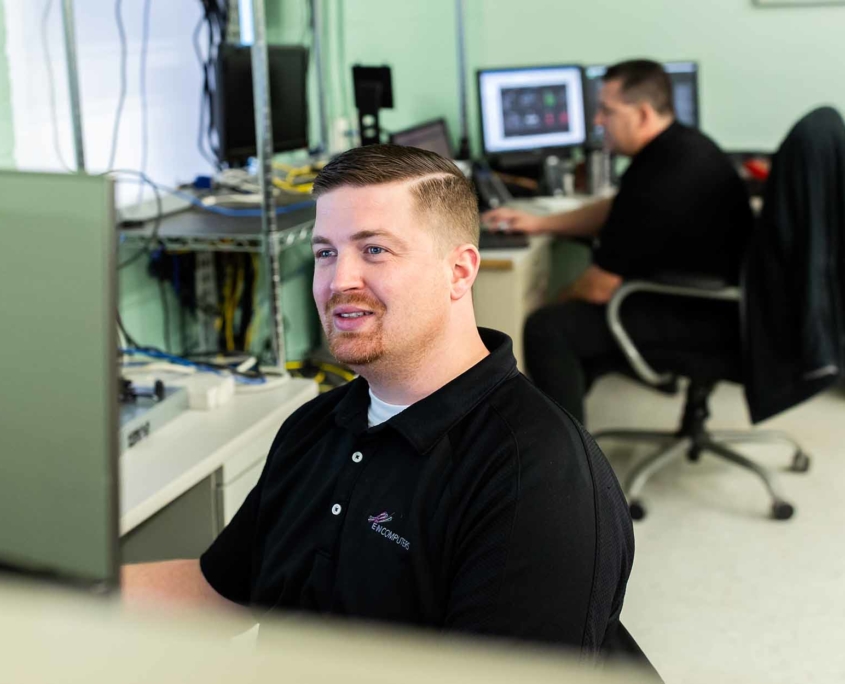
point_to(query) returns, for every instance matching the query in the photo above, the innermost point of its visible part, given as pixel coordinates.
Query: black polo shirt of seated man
(482, 508)
(681, 207)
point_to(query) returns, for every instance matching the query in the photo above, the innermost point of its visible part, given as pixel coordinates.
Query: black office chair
(704, 371)
(805, 208)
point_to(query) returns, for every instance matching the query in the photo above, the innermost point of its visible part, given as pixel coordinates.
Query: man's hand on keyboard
(512, 219)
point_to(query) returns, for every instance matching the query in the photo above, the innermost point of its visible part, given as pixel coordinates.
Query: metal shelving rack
(200, 231)
(264, 144)
(73, 83)
(253, 244)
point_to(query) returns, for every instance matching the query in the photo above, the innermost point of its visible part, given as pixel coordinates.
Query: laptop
(432, 136)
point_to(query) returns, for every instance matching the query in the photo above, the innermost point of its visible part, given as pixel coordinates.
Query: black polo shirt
(483, 507)
(681, 207)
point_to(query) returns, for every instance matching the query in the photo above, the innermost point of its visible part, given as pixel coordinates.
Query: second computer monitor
(233, 102)
(684, 77)
(531, 109)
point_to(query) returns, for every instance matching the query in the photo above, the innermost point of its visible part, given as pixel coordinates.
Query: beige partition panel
(58, 434)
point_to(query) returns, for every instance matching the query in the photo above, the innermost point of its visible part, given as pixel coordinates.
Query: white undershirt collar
(380, 411)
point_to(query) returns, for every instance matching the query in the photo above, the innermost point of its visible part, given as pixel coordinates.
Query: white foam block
(207, 391)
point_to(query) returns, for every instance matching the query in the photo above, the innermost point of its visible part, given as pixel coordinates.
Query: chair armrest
(694, 280)
(684, 286)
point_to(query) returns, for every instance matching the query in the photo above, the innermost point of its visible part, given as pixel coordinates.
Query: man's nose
(347, 274)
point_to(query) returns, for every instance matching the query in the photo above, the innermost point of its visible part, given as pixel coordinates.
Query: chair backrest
(792, 284)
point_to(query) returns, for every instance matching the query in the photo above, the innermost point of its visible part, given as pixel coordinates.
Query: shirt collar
(660, 140)
(426, 421)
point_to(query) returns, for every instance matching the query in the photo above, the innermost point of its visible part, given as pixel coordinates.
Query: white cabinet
(241, 473)
(511, 284)
(226, 446)
(232, 495)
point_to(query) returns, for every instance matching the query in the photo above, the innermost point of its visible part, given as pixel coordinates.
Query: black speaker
(373, 92)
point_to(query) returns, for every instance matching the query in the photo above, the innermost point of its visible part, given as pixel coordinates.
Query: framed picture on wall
(797, 3)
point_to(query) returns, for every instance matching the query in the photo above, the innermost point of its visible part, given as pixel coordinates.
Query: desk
(512, 283)
(183, 484)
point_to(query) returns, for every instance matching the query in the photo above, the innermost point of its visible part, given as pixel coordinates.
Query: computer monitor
(58, 405)
(531, 109)
(431, 135)
(684, 77)
(234, 112)
(592, 89)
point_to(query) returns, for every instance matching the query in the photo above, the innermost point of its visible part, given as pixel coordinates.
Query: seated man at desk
(440, 488)
(681, 207)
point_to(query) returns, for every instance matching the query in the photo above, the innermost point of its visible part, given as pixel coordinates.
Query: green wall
(761, 68)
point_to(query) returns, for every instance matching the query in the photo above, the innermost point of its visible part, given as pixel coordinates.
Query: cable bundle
(216, 19)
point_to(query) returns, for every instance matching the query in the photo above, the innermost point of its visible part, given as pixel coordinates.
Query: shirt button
(357, 457)
(336, 509)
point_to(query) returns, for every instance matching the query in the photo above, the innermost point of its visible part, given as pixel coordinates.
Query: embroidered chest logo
(380, 518)
(378, 521)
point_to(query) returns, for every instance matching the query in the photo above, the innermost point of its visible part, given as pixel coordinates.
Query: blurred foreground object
(93, 640)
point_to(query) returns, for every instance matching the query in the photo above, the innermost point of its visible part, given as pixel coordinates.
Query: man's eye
(324, 253)
(373, 250)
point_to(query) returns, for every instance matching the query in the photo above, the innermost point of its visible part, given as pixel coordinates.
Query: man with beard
(440, 488)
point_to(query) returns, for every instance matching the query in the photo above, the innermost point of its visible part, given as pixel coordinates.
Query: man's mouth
(355, 314)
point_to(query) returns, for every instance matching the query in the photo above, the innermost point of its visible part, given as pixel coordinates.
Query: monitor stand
(601, 175)
(530, 164)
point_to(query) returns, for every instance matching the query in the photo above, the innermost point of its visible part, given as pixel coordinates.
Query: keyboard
(494, 239)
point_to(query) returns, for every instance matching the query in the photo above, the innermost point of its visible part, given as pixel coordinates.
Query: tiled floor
(720, 592)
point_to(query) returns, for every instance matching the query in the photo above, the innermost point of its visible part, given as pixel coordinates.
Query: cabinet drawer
(231, 496)
(256, 450)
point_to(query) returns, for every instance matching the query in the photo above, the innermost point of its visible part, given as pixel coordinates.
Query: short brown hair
(442, 192)
(644, 80)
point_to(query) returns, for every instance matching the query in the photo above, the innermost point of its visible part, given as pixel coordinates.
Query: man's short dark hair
(643, 80)
(439, 188)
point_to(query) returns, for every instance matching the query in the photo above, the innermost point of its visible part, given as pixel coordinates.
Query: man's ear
(464, 262)
(643, 113)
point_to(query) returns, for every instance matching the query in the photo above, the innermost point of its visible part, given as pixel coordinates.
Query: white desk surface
(184, 452)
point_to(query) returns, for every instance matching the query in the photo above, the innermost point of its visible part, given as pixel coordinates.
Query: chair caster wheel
(781, 510)
(800, 462)
(637, 510)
